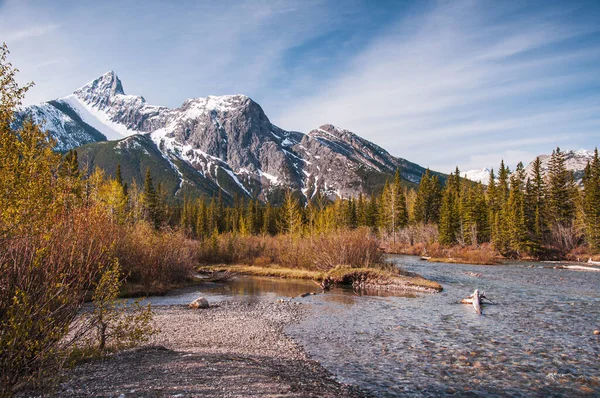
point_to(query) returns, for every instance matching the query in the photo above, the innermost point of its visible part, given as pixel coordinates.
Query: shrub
(152, 257)
(354, 248)
(114, 324)
(43, 282)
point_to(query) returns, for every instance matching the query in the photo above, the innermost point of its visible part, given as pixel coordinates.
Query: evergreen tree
(535, 197)
(591, 202)
(393, 207)
(428, 200)
(449, 225)
(150, 200)
(561, 187)
(516, 220)
(118, 176)
(119, 179)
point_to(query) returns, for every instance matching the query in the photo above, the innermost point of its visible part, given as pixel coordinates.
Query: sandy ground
(232, 349)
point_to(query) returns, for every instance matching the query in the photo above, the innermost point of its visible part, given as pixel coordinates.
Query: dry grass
(354, 248)
(267, 270)
(483, 254)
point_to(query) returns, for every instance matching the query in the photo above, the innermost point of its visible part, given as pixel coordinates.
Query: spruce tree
(535, 197)
(517, 226)
(428, 201)
(561, 204)
(150, 200)
(591, 202)
(449, 225)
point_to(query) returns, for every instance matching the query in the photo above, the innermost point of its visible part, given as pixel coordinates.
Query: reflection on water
(536, 341)
(244, 288)
(253, 289)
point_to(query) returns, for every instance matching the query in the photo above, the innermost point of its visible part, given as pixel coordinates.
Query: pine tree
(517, 226)
(449, 225)
(150, 200)
(591, 202)
(421, 213)
(535, 207)
(500, 228)
(119, 178)
(118, 175)
(561, 204)
(393, 212)
(201, 219)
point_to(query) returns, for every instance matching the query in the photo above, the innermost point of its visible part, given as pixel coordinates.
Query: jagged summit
(99, 91)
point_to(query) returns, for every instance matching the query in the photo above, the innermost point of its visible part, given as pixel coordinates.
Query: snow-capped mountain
(481, 175)
(575, 161)
(216, 143)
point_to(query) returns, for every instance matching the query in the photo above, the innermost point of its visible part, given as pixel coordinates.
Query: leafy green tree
(121, 326)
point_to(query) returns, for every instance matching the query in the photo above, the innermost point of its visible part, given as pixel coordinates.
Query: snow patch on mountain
(98, 119)
(481, 175)
(575, 161)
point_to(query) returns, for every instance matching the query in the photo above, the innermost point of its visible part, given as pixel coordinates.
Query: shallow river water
(536, 340)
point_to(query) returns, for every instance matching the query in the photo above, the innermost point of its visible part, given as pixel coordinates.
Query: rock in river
(200, 302)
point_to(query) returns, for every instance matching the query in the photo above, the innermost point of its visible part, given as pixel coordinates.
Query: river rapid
(536, 340)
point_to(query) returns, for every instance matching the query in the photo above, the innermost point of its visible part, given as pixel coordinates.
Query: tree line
(517, 214)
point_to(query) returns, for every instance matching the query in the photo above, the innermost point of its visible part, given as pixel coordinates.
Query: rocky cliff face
(227, 140)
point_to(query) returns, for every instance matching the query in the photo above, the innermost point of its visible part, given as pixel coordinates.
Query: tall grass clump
(358, 248)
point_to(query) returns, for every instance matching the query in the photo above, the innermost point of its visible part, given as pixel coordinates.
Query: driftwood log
(476, 300)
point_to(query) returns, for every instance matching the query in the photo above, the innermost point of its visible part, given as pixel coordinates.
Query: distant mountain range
(575, 162)
(215, 144)
(481, 175)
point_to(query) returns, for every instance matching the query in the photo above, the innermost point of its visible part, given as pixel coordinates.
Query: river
(536, 340)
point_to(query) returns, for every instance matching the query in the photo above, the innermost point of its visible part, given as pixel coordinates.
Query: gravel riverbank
(232, 349)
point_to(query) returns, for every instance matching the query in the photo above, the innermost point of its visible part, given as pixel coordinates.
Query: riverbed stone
(200, 302)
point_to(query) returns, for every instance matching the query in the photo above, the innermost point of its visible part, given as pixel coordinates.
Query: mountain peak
(100, 90)
(479, 175)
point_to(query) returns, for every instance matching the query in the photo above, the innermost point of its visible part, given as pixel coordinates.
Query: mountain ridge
(227, 139)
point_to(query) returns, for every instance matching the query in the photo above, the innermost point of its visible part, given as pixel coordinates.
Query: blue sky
(441, 83)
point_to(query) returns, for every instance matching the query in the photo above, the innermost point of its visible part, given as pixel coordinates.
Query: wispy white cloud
(31, 32)
(459, 74)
